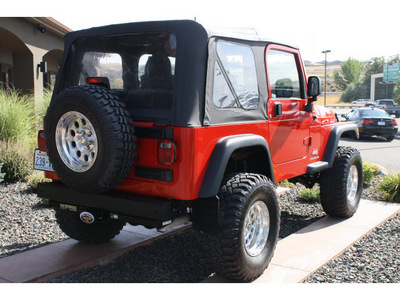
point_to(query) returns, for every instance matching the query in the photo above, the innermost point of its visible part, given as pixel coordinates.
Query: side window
(235, 78)
(283, 74)
(353, 114)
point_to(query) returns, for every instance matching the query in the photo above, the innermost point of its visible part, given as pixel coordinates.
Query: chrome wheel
(256, 230)
(76, 141)
(352, 184)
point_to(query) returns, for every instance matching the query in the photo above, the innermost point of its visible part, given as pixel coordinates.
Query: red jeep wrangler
(159, 123)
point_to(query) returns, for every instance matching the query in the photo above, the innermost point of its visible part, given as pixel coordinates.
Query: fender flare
(220, 157)
(331, 146)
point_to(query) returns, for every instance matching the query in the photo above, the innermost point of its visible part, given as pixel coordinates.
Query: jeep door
(289, 123)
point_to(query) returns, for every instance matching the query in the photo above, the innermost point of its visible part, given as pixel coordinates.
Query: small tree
(350, 72)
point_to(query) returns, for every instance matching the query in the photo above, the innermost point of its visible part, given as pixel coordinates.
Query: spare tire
(89, 138)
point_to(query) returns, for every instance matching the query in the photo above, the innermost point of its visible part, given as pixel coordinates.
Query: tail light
(101, 81)
(367, 122)
(41, 143)
(167, 153)
(394, 122)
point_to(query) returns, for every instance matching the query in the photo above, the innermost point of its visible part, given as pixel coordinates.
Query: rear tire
(249, 227)
(100, 231)
(341, 185)
(390, 138)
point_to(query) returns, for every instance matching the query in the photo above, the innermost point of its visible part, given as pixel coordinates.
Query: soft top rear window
(140, 69)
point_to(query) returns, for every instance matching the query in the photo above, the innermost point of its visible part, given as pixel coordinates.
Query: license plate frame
(42, 162)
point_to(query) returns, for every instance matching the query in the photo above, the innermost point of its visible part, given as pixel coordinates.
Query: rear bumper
(137, 209)
(378, 131)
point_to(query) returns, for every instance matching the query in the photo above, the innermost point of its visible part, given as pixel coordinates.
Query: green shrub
(36, 177)
(390, 187)
(285, 183)
(370, 170)
(17, 116)
(311, 195)
(17, 160)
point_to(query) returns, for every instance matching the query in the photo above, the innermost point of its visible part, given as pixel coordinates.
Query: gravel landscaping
(26, 224)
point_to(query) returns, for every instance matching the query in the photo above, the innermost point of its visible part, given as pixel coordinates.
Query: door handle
(278, 109)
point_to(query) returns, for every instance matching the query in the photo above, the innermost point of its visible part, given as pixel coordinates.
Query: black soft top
(191, 67)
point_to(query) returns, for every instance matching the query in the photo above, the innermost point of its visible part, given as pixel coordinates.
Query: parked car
(373, 121)
(361, 101)
(389, 106)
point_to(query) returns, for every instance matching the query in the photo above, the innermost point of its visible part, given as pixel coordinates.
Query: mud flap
(205, 214)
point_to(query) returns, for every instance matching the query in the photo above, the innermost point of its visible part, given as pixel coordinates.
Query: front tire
(341, 185)
(100, 231)
(249, 227)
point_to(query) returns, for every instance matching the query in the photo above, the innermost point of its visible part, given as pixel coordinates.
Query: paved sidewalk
(296, 256)
(302, 253)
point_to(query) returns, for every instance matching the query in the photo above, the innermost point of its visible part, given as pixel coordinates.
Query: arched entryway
(53, 59)
(16, 62)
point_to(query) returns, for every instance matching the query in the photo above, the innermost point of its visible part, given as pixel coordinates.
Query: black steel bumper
(147, 211)
(377, 131)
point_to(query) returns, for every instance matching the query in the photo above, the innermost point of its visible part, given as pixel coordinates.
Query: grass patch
(17, 160)
(42, 106)
(369, 171)
(311, 195)
(390, 187)
(36, 177)
(17, 117)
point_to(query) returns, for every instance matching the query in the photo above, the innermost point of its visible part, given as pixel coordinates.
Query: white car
(361, 101)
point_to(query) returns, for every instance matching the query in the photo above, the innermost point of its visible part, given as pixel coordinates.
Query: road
(377, 150)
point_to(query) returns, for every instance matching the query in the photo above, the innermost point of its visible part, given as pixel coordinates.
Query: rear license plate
(381, 123)
(42, 161)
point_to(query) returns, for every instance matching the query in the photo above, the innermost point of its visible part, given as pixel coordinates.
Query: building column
(38, 54)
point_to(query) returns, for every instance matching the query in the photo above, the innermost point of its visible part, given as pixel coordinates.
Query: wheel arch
(332, 144)
(227, 151)
(333, 140)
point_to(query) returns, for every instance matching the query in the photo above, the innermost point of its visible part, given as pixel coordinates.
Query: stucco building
(30, 52)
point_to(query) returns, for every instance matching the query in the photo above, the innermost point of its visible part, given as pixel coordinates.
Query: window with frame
(284, 79)
(235, 78)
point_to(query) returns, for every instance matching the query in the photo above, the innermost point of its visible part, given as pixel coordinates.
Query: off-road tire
(334, 184)
(99, 231)
(115, 138)
(226, 249)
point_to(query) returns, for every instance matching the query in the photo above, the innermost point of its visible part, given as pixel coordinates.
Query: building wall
(22, 48)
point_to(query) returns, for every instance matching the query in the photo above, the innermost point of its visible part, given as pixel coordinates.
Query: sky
(349, 28)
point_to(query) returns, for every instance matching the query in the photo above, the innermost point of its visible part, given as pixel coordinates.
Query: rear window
(140, 69)
(377, 113)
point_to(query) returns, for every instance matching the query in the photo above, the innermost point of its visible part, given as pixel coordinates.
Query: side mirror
(313, 87)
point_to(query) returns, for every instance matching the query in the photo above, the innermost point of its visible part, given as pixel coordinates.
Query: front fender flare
(331, 146)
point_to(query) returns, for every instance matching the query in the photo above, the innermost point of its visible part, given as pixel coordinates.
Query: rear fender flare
(220, 158)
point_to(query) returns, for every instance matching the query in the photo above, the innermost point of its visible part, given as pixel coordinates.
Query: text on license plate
(381, 123)
(42, 161)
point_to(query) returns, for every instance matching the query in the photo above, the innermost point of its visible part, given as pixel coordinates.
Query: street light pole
(325, 51)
